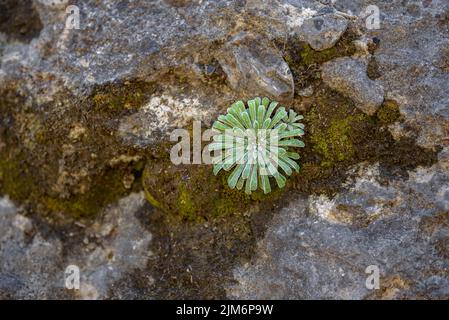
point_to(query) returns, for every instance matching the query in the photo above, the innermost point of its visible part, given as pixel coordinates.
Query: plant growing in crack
(255, 141)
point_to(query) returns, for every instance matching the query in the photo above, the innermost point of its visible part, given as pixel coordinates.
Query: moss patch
(122, 96)
(304, 62)
(70, 173)
(388, 113)
(107, 189)
(338, 136)
(20, 181)
(16, 178)
(191, 191)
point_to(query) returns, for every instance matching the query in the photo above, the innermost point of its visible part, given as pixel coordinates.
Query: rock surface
(349, 77)
(34, 262)
(323, 31)
(84, 111)
(252, 66)
(320, 248)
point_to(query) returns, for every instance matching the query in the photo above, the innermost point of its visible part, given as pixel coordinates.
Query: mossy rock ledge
(194, 193)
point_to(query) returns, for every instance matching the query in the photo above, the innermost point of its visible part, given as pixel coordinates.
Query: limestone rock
(255, 68)
(323, 31)
(348, 76)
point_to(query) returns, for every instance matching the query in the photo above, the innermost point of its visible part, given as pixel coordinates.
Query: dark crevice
(19, 20)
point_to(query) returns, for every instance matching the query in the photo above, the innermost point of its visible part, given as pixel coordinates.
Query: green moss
(304, 62)
(107, 189)
(186, 205)
(15, 178)
(331, 125)
(118, 97)
(193, 193)
(310, 56)
(22, 183)
(388, 113)
(334, 143)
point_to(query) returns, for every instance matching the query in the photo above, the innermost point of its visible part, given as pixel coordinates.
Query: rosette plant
(257, 142)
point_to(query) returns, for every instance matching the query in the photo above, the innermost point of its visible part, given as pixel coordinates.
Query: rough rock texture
(323, 31)
(34, 261)
(85, 119)
(252, 66)
(349, 77)
(320, 248)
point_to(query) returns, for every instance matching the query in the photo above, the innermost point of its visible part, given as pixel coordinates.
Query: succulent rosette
(257, 142)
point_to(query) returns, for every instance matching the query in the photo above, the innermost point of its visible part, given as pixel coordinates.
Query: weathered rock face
(35, 260)
(252, 66)
(323, 31)
(349, 77)
(85, 118)
(321, 248)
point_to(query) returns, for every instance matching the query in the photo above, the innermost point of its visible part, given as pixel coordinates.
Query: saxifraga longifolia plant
(257, 142)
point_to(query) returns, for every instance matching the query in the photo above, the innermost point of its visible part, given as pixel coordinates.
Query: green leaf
(248, 187)
(280, 114)
(220, 126)
(228, 165)
(280, 180)
(240, 106)
(270, 109)
(261, 114)
(292, 133)
(235, 175)
(231, 118)
(285, 167)
(291, 115)
(281, 127)
(265, 183)
(253, 178)
(233, 110)
(252, 110)
(293, 155)
(291, 143)
(299, 125)
(247, 170)
(223, 119)
(256, 124)
(217, 168)
(265, 102)
(291, 163)
(266, 124)
(240, 183)
(246, 120)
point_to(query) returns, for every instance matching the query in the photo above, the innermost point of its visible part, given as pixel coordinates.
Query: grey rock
(323, 31)
(29, 269)
(255, 68)
(163, 113)
(35, 268)
(412, 62)
(320, 248)
(348, 76)
(9, 284)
